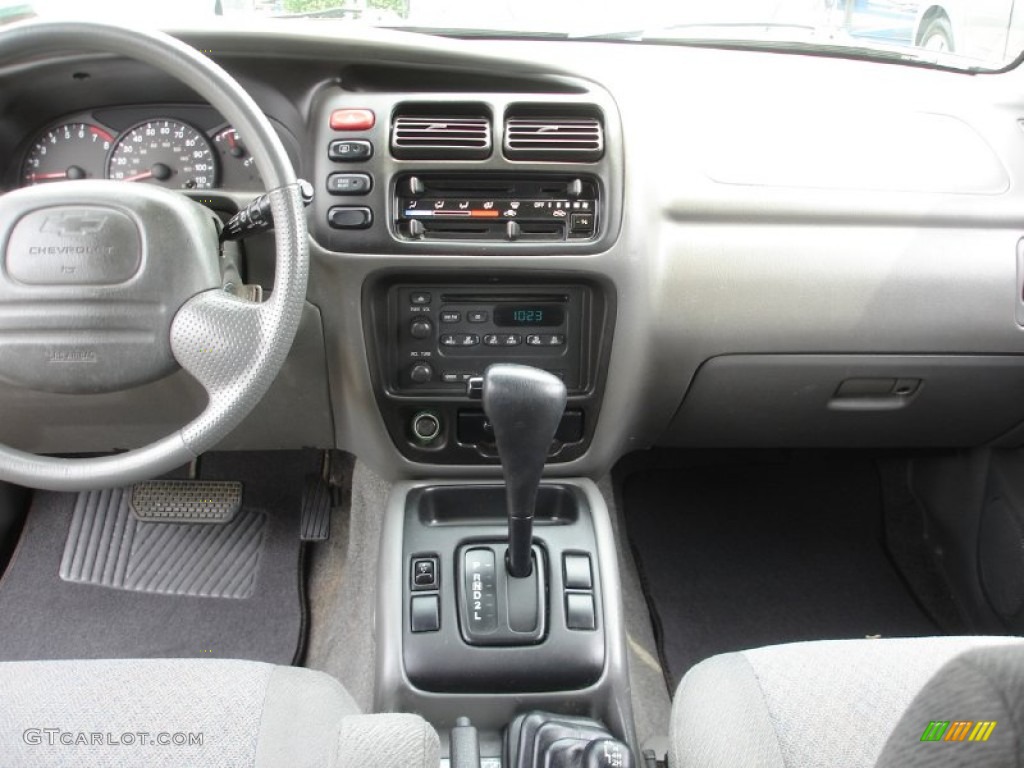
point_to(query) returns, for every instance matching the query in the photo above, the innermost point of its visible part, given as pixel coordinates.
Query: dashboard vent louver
(432, 137)
(571, 139)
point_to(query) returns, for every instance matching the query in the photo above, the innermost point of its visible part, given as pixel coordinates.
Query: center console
(502, 599)
(497, 602)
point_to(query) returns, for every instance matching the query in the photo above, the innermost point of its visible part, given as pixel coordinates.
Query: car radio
(448, 334)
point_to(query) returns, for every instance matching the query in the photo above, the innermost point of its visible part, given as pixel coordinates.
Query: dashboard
(722, 260)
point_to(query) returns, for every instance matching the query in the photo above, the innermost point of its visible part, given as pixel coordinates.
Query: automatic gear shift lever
(524, 406)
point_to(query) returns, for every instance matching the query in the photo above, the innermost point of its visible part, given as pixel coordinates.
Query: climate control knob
(421, 373)
(420, 328)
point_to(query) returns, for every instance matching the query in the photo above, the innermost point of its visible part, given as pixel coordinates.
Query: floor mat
(89, 581)
(744, 554)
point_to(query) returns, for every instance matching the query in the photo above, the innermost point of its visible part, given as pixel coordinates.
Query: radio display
(535, 315)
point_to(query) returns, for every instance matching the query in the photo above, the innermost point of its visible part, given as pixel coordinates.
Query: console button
(579, 611)
(450, 316)
(546, 340)
(477, 316)
(419, 298)
(481, 591)
(352, 119)
(502, 340)
(349, 183)
(350, 150)
(349, 217)
(460, 340)
(424, 573)
(581, 223)
(577, 572)
(426, 613)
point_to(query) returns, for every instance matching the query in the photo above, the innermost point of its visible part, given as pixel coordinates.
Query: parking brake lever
(524, 406)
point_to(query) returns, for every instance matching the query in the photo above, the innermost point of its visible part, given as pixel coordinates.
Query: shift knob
(524, 406)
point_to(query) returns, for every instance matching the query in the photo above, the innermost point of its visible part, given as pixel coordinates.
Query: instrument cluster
(187, 148)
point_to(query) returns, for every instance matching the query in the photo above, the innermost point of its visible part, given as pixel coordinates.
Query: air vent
(571, 139)
(434, 137)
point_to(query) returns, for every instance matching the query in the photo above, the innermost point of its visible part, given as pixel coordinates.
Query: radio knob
(420, 328)
(421, 373)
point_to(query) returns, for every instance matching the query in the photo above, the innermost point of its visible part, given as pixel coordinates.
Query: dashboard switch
(349, 183)
(350, 150)
(579, 611)
(352, 119)
(577, 572)
(426, 614)
(424, 573)
(349, 217)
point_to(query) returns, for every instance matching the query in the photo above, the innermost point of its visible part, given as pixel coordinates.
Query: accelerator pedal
(316, 509)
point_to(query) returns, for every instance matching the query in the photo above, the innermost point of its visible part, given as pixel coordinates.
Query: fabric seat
(834, 704)
(203, 713)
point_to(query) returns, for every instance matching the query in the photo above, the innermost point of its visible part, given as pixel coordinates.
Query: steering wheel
(106, 285)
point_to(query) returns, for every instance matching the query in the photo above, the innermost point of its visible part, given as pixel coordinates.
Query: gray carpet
(746, 553)
(648, 694)
(43, 616)
(343, 589)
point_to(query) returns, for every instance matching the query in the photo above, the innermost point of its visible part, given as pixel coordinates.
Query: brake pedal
(186, 501)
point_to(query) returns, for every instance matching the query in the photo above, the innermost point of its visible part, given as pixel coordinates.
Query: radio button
(545, 340)
(502, 340)
(419, 298)
(460, 340)
(477, 316)
(450, 316)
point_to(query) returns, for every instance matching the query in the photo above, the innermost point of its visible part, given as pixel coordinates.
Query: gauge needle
(139, 176)
(48, 176)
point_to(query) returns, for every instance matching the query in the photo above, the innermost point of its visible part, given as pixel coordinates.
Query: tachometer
(70, 151)
(165, 152)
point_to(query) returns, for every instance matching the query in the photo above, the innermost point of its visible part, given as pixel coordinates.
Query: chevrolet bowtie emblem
(66, 224)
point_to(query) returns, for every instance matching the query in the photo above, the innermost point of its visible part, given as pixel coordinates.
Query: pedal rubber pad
(316, 510)
(108, 546)
(186, 501)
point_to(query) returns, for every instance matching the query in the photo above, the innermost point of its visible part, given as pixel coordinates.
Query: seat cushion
(804, 705)
(178, 712)
(974, 706)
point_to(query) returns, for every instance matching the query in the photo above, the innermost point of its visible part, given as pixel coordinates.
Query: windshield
(966, 34)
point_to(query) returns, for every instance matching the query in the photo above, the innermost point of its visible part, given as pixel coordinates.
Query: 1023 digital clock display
(533, 316)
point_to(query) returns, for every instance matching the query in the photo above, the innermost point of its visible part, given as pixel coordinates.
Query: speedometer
(165, 152)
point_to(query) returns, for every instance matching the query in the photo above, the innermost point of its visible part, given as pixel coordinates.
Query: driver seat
(196, 712)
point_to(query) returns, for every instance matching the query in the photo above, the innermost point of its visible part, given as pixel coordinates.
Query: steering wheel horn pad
(93, 276)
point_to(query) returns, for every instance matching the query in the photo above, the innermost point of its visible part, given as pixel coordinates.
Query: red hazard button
(352, 119)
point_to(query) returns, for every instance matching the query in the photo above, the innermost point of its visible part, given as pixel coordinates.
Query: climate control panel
(447, 335)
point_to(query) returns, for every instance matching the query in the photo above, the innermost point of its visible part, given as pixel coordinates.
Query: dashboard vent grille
(572, 139)
(438, 137)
